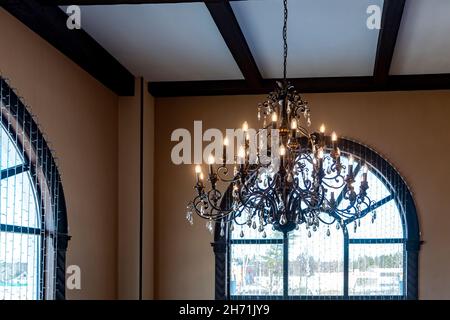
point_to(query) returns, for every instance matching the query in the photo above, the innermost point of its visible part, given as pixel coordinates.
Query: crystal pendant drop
(308, 121)
(202, 209)
(254, 225)
(264, 234)
(359, 223)
(222, 232)
(260, 228)
(309, 233)
(354, 227)
(338, 226)
(297, 227)
(283, 219)
(189, 215)
(209, 226)
(328, 232)
(241, 234)
(314, 228)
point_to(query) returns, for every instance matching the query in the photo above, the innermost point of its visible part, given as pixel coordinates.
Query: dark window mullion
(19, 229)
(346, 261)
(256, 241)
(376, 241)
(285, 265)
(12, 171)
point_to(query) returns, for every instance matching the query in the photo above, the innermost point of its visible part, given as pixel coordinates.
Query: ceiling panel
(326, 38)
(162, 42)
(423, 43)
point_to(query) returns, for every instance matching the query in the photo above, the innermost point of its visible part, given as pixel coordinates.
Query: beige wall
(79, 117)
(402, 126)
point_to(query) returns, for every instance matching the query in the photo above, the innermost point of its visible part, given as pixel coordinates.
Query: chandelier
(300, 183)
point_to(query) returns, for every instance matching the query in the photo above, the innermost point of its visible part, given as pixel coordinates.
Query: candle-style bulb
(201, 175)
(294, 124)
(226, 142)
(334, 137)
(282, 150)
(211, 159)
(198, 169)
(274, 117)
(320, 153)
(351, 160)
(245, 126)
(322, 128)
(365, 169)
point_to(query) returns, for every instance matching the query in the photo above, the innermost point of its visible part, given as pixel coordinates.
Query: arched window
(33, 224)
(375, 257)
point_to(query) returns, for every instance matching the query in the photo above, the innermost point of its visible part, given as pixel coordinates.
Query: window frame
(45, 179)
(411, 237)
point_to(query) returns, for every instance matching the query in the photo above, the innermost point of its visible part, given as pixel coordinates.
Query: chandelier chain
(285, 45)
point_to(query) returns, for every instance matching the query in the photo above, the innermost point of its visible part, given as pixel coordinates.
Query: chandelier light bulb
(294, 124)
(245, 126)
(334, 137)
(322, 128)
(320, 153)
(365, 169)
(226, 142)
(274, 117)
(201, 175)
(351, 160)
(198, 169)
(282, 150)
(211, 159)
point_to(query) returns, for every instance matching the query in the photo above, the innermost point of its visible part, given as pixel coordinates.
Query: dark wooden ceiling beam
(226, 22)
(304, 85)
(390, 24)
(49, 22)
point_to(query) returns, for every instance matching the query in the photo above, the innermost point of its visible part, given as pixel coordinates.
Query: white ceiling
(423, 43)
(326, 37)
(162, 42)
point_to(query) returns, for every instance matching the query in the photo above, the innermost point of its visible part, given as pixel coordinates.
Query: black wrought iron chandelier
(298, 186)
